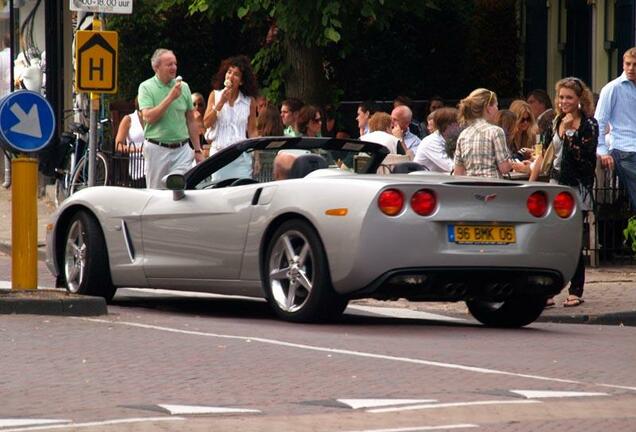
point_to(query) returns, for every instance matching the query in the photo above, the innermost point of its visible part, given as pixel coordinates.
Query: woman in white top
(432, 150)
(130, 139)
(230, 116)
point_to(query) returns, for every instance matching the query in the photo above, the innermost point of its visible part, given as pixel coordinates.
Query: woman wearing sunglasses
(524, 135)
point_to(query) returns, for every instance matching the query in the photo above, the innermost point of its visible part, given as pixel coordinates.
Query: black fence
(126, 166)
(604, 242)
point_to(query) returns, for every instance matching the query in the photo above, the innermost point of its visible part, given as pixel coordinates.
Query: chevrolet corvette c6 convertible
(333, 231)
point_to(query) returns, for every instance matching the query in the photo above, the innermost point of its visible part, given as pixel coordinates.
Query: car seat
(407, 167)
(305, 164)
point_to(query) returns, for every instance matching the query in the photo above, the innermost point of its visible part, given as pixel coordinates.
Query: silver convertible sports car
(327, 230)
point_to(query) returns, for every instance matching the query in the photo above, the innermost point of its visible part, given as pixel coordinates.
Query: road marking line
(331, 350)
(451, 405)
(198, 409)
(617, 386)
(15, 422)
(97, 423)
(538, 394)
(373, 403)
(399, 313)
(422, 428)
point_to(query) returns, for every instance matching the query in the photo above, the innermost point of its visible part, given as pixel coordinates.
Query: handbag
(548, 160)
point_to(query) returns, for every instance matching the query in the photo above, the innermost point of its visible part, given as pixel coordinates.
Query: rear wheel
(297, 281)
(85, 262)
(514, 312)
(80, 176)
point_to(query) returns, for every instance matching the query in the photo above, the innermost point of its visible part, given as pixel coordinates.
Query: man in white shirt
(5, 66)
(432, 150)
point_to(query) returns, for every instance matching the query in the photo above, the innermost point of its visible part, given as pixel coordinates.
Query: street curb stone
(51, 302)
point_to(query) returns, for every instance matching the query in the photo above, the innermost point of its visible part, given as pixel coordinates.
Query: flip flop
(573, 301)
(550, 303)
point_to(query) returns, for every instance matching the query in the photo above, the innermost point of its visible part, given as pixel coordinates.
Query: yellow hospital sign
(96, 61)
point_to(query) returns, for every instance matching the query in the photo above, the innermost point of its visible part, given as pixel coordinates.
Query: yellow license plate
(481, 234)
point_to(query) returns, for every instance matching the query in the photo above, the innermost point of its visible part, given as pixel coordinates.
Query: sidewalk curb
(626, 318)
(50, 302)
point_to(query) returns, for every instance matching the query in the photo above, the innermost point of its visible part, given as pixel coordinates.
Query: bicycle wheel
(80, 176)
(62, 182)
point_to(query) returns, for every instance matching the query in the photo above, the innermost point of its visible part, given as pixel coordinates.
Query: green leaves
(242, 11)
(332, 35)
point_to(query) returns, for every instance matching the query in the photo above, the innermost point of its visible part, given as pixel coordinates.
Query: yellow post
(24, 223)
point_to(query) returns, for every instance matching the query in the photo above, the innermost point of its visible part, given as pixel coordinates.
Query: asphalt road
(176, 361)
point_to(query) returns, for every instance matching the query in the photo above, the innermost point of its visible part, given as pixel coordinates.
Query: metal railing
(603, 237)
(604, 242)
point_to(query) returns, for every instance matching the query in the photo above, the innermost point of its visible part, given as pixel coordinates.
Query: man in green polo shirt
(165, 103)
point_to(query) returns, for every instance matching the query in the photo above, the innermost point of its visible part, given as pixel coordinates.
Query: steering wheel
(243, 181)
(225, 182)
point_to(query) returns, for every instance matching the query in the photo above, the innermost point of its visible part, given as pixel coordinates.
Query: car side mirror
(176, 183)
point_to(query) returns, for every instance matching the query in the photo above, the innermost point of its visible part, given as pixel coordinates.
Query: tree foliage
(307, 31)
(361, 49)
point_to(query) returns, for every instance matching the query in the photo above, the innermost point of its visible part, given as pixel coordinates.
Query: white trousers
(161, 161)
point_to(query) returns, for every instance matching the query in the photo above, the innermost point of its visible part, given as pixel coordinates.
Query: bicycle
(73, 176)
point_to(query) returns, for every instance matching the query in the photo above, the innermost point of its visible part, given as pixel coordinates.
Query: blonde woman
(524, 135)
(575, 140)
(481, 147)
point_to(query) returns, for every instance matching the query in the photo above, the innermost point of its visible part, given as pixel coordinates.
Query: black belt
(169, 145)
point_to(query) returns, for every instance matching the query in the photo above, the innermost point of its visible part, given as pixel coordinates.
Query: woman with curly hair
(231, 113)
(481, 147)
(575, 139)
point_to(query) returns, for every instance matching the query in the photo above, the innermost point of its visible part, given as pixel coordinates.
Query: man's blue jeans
(625, 163)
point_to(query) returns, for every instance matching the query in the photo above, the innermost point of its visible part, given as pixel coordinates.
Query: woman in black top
(575, 139)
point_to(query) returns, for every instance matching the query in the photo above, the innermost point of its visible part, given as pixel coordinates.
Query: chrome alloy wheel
(75, 257)
(291, 271)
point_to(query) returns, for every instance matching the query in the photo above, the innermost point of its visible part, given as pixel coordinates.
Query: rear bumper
(463, 283)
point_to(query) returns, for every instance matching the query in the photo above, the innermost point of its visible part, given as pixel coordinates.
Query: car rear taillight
(391, 202)
(564, 204)
(538, 204)
(424, 202)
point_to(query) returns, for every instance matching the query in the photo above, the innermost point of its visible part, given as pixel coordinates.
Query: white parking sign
(103, 6)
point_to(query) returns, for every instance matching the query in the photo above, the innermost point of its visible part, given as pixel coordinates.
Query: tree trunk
(305, 79)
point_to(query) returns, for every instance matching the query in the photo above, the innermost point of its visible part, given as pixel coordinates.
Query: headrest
(407, 167)
(305, 164)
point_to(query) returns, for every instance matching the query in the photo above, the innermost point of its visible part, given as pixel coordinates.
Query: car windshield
(254, 161)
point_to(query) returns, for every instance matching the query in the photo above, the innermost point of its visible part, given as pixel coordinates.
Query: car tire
(511, 313)
(296, 275)
(85, 266)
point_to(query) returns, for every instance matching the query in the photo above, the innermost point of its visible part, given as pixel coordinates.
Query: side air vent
(129, 246)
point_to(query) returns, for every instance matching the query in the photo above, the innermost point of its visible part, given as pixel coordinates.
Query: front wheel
(297, 279)
(85, 261)
(514, 312)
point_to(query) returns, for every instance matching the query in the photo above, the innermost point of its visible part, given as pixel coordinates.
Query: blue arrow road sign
(27, 121)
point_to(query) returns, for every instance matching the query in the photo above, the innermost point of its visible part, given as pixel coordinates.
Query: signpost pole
(92, 138)
(24, 224)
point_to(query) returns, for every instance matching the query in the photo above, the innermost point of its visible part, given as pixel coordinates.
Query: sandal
(572, 301)
(550, 303)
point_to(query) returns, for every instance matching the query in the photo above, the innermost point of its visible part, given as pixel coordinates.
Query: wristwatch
(570, 132)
